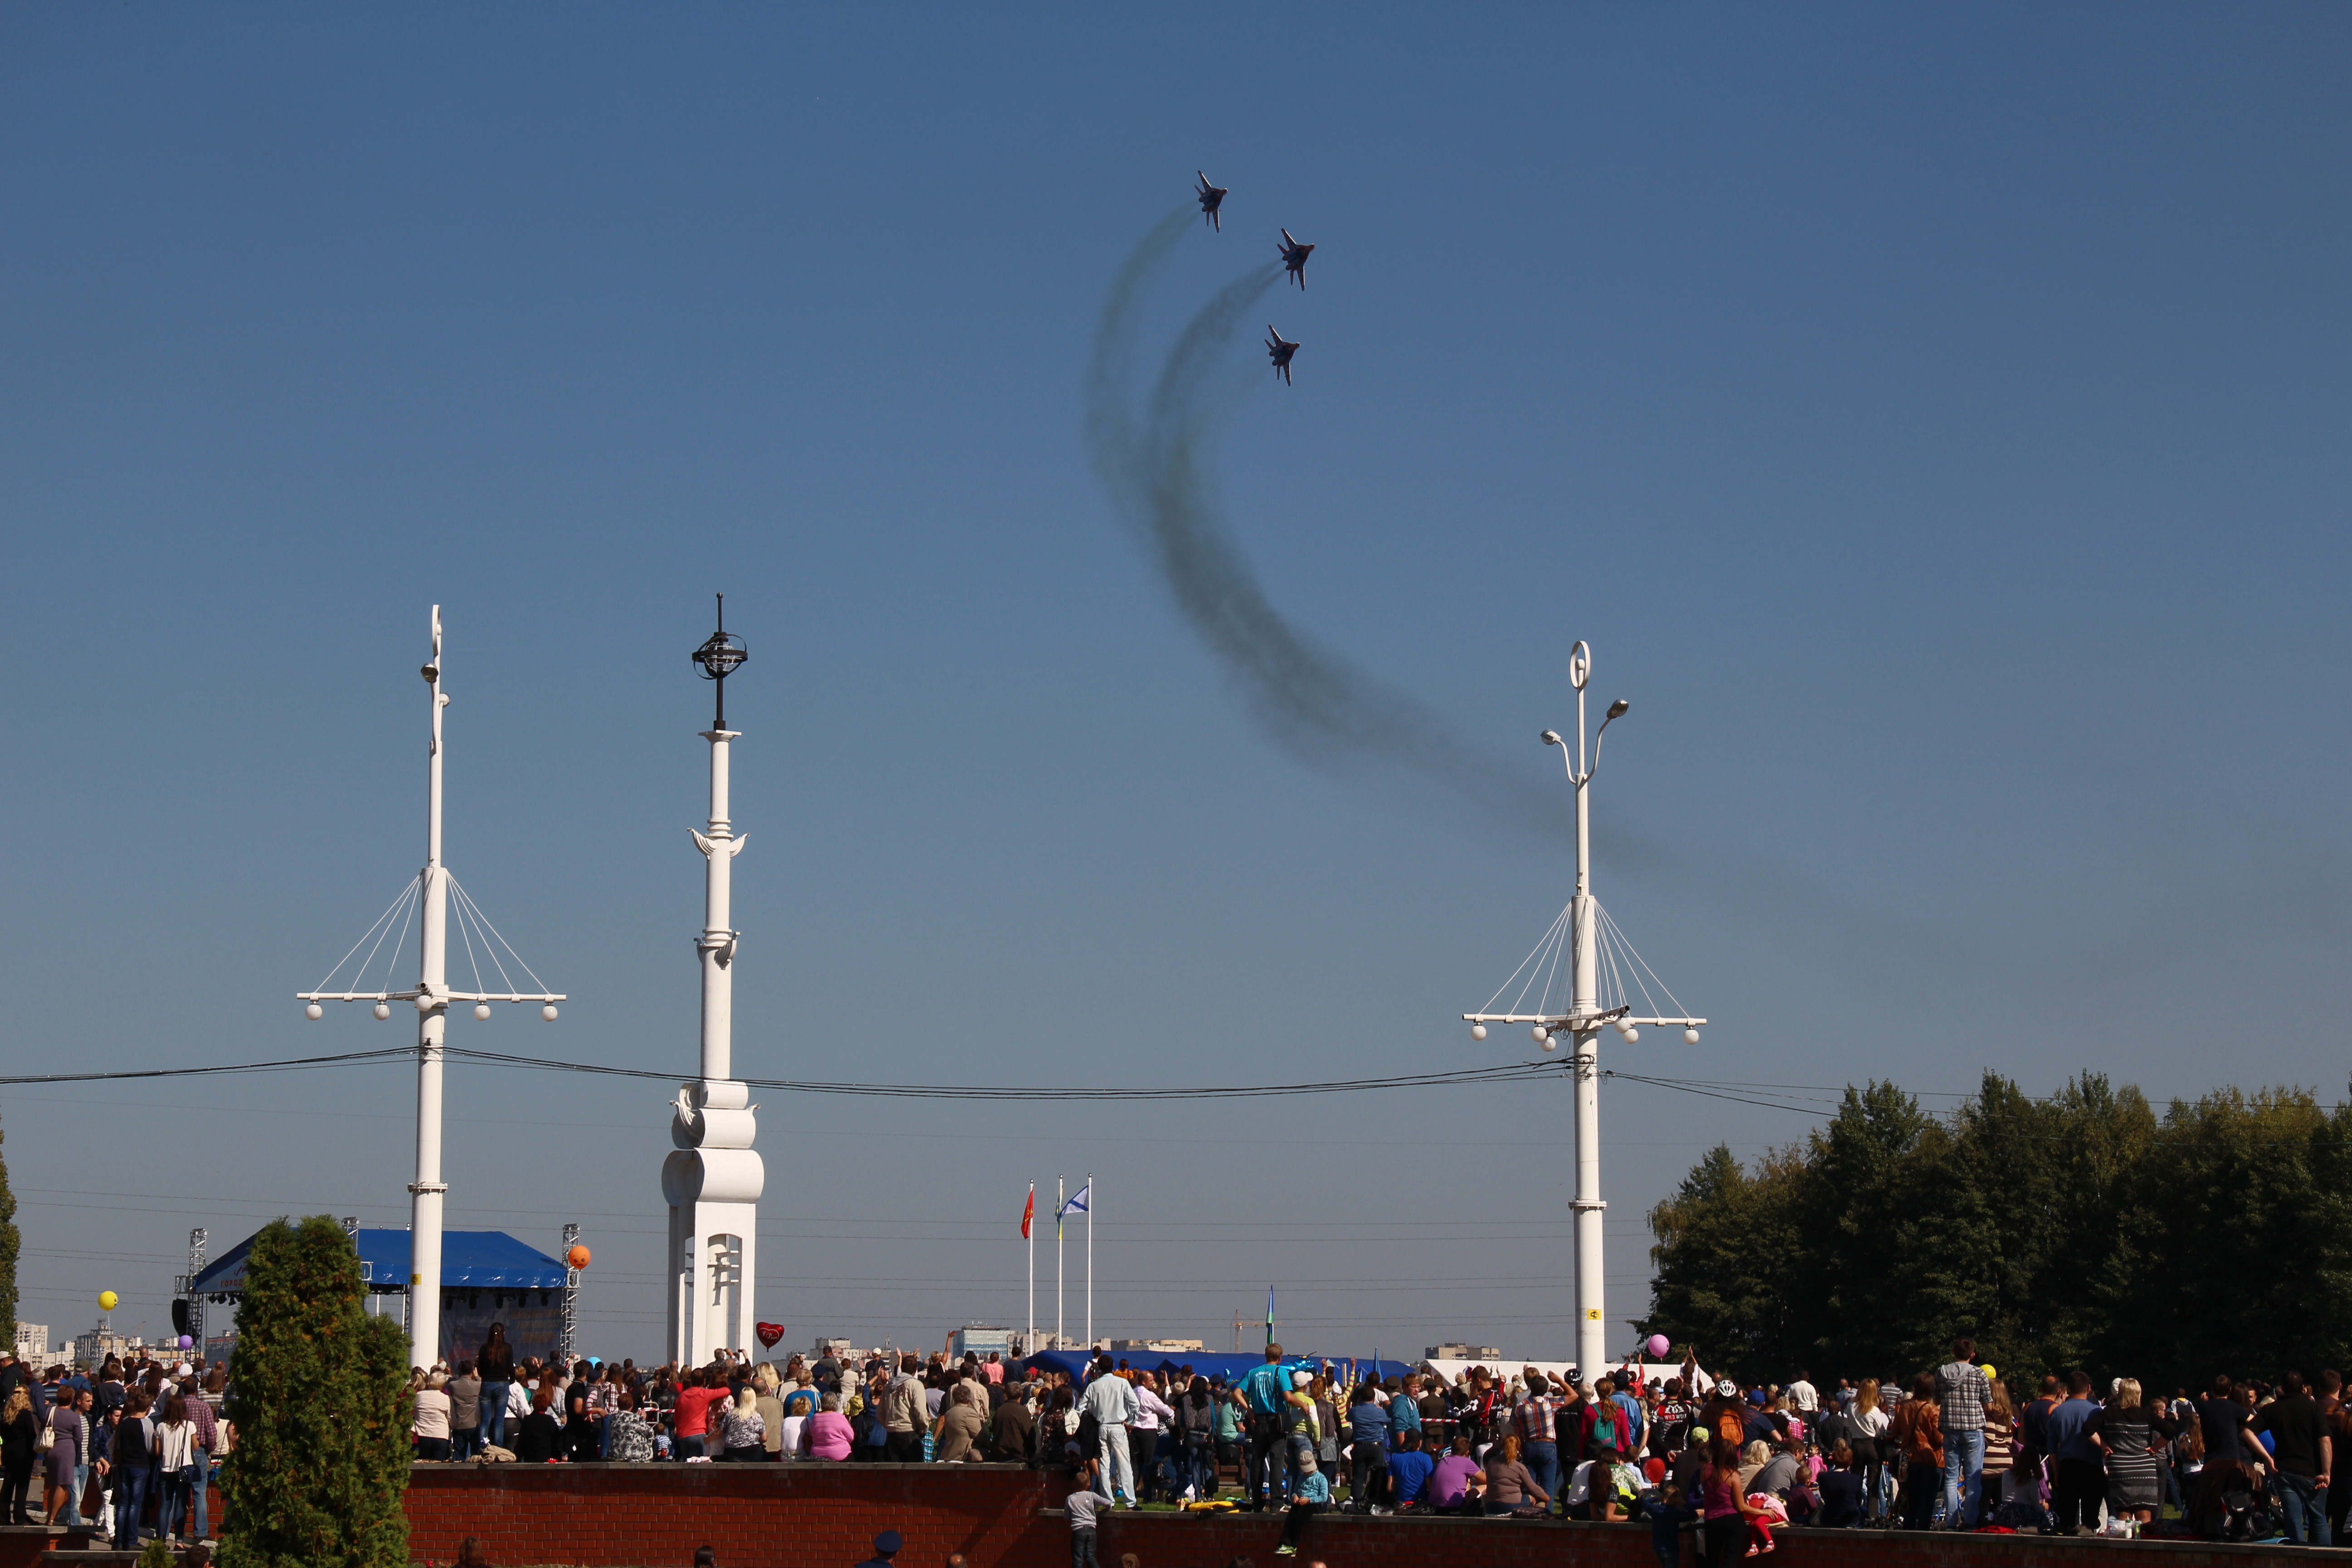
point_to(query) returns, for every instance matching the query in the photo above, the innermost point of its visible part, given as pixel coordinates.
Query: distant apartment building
(980, 1340)
(1155, 1347)
(31, 1341)
(1462, 1352)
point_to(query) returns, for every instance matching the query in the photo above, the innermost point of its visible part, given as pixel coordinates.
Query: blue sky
(1933, 419)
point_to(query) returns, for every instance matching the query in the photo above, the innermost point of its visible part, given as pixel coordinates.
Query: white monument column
(426, 1192)
(714, 1179)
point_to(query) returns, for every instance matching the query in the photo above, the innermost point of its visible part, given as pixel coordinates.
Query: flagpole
(1058, 1201)
(1090, 1262)
(1029, 1234)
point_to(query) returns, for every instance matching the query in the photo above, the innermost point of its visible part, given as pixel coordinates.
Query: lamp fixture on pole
(1601, 963)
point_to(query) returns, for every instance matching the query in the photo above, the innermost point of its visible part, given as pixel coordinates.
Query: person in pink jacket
(828, 1433)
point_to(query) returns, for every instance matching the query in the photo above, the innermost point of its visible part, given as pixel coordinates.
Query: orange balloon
(577, 1257)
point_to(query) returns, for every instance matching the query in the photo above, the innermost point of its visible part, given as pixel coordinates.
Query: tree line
(2079, 1230)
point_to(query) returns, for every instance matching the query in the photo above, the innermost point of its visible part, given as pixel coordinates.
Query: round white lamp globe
(548, 1012)
(314, 1012)
(482, 1010)
(1631, 1034)
(1550, 1044)
(1690, 1037)
(1542, 1036)
(384, 1010)
(1478, 1031)
(425, 1004)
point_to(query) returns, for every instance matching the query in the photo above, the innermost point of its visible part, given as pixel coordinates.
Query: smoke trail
(1312, 702)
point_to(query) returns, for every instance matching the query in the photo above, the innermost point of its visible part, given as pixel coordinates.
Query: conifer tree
(8, 1243)
(319, 1395)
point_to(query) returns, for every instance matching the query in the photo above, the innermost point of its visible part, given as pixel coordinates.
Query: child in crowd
(1082, 1503)
(1767, 1511)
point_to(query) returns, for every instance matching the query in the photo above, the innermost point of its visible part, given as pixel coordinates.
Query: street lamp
(722, 653)
(1585, 931)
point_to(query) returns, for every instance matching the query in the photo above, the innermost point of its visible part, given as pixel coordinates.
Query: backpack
(1089, 1437)
(1605, 1419)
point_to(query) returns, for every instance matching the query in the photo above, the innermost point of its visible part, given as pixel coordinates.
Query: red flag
(1029, 1211)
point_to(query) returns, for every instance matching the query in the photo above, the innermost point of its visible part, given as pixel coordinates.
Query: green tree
(9, 1243)
(319, 1400)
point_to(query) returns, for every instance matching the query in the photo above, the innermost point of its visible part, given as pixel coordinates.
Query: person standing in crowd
(131, 1469)
(1961, 1390)
(2131, 1436)
(2077, 1480)
(20, 1434)
(497, 1364)
(176, 1451)
(1082, 1504)
(1368, 1442)
(1152, 1417)
(1804, 1398)
(906, 1413)
(1725, 1511)
(1917, 1432)
(1110, 1400)
(1262, 1390)
(2304, 1458)
(2332, 1410)
(69, 1433)
(464, 1392)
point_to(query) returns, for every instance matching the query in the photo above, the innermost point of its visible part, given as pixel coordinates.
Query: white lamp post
(432, 998)
(1586, 930)
(714, 1178)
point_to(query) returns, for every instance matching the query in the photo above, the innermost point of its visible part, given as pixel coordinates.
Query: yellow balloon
(1989, 1371)
(106, 1301)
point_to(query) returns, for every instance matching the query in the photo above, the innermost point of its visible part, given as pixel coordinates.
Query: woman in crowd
(175, 1465)
(539, 1439)
(2131, 1436)
(20, 1432)
(430, 1426)
(742, 1436)
(1511, 1487)
(1871, 1448)
(829, 1435)
(1724, 1509)
(496, 1364)
(957, 1427)
(69, 1434)
(1917, 1432)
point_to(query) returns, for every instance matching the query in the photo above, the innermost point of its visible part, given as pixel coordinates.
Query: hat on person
(887, 1542)
(1755, 1397)
(1301, 1379)
(1726, 1389)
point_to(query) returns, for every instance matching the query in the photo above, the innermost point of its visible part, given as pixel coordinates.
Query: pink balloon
(1658, 1346)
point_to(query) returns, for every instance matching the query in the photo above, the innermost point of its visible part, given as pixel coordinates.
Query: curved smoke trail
(1161, 474)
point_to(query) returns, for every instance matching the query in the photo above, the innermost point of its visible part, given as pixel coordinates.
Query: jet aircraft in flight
(1279, 350)
(1293, 258)
(1212, 197)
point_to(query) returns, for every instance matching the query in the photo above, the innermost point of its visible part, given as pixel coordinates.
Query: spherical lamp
(314, 1012)
(482, 1011)
(1631, 1034)
(1478, 1031)
(1690, 1037)
(383, 1010)
(548, 1012)
(1542, 1036)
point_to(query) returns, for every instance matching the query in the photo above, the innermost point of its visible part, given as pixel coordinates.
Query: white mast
(426, 1192)
(1582, 1022)
(714, 1181)
(431, 997)
(1090, 1262)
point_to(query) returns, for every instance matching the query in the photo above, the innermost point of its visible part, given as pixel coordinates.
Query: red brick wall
(826, 1516)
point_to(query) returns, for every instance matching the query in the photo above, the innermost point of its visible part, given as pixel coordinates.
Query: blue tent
(470, 1260)
(1212, 1365)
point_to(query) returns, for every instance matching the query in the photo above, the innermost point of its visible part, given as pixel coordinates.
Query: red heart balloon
(768, 1333)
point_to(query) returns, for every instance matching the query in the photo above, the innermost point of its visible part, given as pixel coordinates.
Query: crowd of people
(1952, 1447)
(127, 1450)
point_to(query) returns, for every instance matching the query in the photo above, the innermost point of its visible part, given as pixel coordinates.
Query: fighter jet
(1279, 352)
(1293, 258)
(1211, 197)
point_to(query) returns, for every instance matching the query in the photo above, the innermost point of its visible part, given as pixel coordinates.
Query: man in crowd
(2303, 1454)
(906, 1414)
(1110, 1400)
(1263, 1390)
(2078, 1480)
(1962, 1391)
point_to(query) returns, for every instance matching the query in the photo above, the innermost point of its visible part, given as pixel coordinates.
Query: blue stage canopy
(470, 1260)
(1210, 1363)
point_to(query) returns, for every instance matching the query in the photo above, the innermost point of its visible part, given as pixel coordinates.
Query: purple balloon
(187, 1343)
(1658, 1346)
